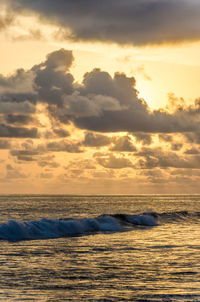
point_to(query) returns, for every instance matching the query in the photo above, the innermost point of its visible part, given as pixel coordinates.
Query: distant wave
(56, 228)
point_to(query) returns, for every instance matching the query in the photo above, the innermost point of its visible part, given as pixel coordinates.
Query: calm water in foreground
(77, 248)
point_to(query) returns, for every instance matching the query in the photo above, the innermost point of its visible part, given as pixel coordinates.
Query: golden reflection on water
(160, 263)
(121, 265)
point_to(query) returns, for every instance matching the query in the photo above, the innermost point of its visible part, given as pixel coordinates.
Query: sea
(99, 248)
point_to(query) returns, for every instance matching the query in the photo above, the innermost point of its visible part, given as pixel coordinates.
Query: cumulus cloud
(21, 82)
(133, 115)
(137, 22)
(51, 81)
(100, 103)
(59, 60)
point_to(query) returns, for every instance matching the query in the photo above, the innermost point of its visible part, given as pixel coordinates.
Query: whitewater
(100, 248)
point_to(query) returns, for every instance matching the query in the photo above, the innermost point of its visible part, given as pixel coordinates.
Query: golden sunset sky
(99, 97)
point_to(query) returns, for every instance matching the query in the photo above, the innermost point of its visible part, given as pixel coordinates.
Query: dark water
(78, 248)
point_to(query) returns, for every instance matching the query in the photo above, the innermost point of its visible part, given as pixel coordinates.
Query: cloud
(123, 144)
(25, 155)
(46, 175)
(59, 60)
(145, 138)
(16, 107)
(83, 164)
(21, 82)
(46, 162)
(14, 172)
(51, 81)
(131, 114)
(192, 151)
(20, 119)
(63, 146)
(95, 140)
(137, 22)
(101, 103)
(158, 158)
(18, 132)
(193, 137)
(6, 16)
(176, 146)
(5, 144)
(113, 162)
(91, 105)
(61, 132)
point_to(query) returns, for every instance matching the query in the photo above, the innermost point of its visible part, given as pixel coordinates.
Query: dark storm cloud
(122, 21)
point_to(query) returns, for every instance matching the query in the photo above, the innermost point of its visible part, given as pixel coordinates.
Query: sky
(99, 97)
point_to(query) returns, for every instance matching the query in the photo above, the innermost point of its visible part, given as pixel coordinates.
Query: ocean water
(100, 248)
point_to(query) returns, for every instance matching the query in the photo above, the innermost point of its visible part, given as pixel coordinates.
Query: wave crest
(56, 228)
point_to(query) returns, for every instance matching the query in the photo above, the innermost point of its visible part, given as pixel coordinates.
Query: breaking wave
(56, 228)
